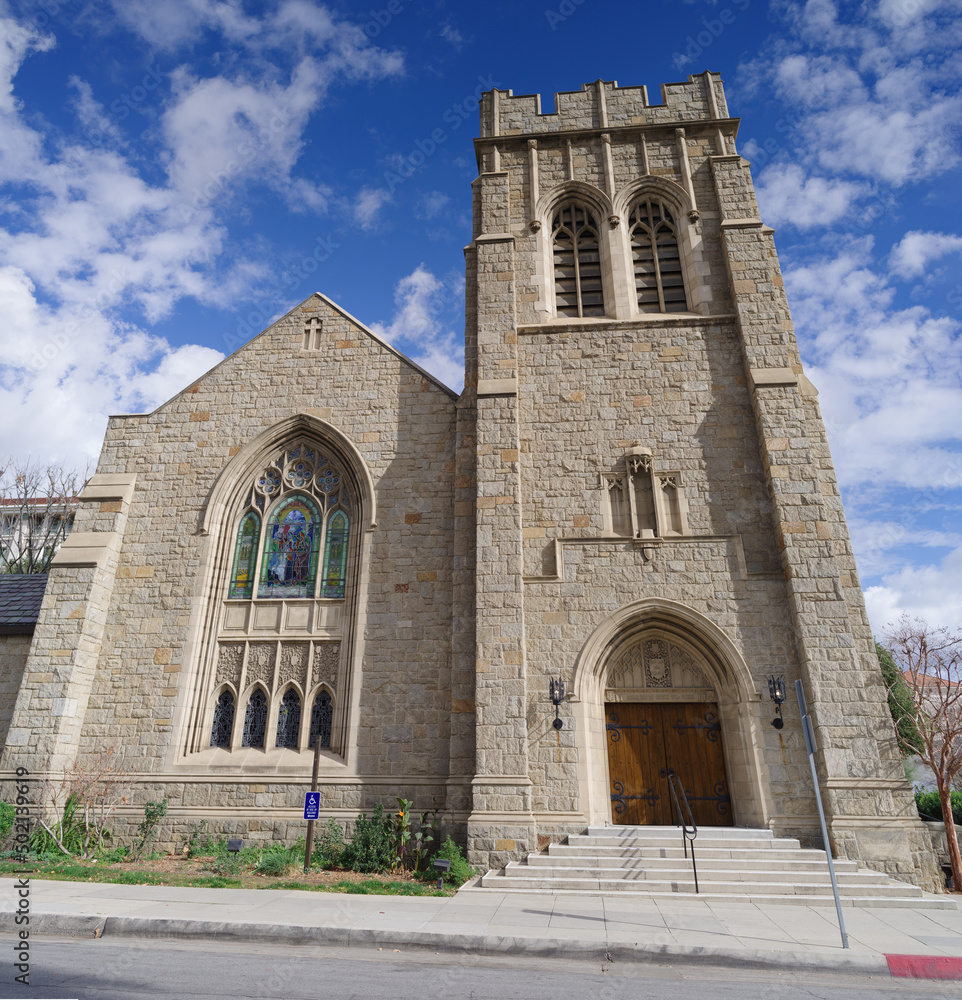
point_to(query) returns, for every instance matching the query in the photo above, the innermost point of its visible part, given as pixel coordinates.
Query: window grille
(289, 720)
(654, 249)
(322, 716)
(255, 720)
(223, 727)
(577, 262)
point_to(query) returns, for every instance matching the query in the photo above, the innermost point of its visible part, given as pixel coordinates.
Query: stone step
(721, 832)
(686, 884)
(749, 864)
(770, 857)
(708, 839)
(765, 876)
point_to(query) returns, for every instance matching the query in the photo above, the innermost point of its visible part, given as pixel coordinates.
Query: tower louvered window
(659, 282)
(577, 262)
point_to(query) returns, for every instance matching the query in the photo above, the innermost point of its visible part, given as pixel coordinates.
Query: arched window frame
(216, 718)
(282, 718)
(563, 219)
(653, 231)
(314, 706)
(250, 718)
(303, 472)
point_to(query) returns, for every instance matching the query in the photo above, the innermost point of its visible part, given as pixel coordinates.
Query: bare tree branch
(37, 505)
(930, 661)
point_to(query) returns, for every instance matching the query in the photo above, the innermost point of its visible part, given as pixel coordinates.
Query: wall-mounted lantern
(776, 688)
(556, 690)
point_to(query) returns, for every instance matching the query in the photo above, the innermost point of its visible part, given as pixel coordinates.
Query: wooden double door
(646, 742)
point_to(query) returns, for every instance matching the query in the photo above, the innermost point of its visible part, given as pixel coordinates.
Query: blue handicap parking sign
(312, 805)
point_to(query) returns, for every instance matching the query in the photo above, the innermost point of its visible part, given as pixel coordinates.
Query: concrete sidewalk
(679, 930)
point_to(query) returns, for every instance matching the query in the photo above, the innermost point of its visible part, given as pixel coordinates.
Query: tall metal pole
(309, 846)
(810, 746)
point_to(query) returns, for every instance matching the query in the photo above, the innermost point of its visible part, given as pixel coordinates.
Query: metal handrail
(689, 831)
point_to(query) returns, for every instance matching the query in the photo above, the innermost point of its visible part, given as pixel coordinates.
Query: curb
(88, 925)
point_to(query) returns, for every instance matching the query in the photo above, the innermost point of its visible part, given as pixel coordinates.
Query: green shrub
(330, 845)
(114, 854)
(277, 860)
(372, 846)
(930, 806)
(227, 863)
(199, 841)
(7, 816)
(901, 704)
(154, 812)
(460, 871)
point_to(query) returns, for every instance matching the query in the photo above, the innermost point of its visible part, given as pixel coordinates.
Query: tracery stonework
(326, 656)
(656, 664)
(294, 664)
(260, 664)
(230, 658)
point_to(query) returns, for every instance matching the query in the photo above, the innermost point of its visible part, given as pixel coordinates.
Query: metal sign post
(312, 805)
(810, 746)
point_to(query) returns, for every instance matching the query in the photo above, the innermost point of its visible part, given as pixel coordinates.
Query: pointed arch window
(335, 555)
(221, 731)
(659, 282)
(577, 262)
(255, 720)
(322, 718)
(289, 720)
(291, 542)
(245, 556)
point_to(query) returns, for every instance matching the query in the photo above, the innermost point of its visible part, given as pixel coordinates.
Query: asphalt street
(162, 970)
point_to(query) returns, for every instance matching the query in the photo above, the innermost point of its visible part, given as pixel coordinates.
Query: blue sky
(176, 174)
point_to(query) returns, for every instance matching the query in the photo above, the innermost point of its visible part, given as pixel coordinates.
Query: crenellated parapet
(604, 105)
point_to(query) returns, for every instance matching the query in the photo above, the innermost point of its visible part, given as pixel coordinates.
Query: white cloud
(368, 206)
(97, 240)
(916, 250)
(416, 329)
(786, 195)
(67, 368)
(928, 592)
(890, 379)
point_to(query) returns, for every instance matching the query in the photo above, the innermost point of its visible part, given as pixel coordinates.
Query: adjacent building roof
(21, 595)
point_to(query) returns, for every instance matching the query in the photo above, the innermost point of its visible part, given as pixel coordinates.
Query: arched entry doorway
(661, 718)
(674, 680)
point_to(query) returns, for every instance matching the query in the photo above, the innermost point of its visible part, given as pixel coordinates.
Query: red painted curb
(925, 966)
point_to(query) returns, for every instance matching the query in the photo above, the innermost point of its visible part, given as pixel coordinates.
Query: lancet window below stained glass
(289, 720)
(322, 717)
(291, 541)
(335, 556)
(255, 720)
(245, 555)
(220, 733)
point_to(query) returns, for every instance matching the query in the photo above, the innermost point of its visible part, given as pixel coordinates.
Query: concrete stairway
(733, 864)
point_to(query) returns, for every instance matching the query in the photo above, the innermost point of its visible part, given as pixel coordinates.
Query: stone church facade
(319, 542)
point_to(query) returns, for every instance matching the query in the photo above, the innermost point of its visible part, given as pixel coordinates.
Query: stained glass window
(291, 541)
(255, 720)
(335, 556)
(322, 716)
(289, 720)
(245, 552)
(223, 721)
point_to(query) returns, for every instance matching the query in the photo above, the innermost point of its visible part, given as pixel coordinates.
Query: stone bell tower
(647, 506)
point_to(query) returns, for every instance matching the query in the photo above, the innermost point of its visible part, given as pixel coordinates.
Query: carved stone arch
(664, 187)
(737, 699)
(593, 196)
(595, 201)
(678, 202)
(247, 462)
(729, 667)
